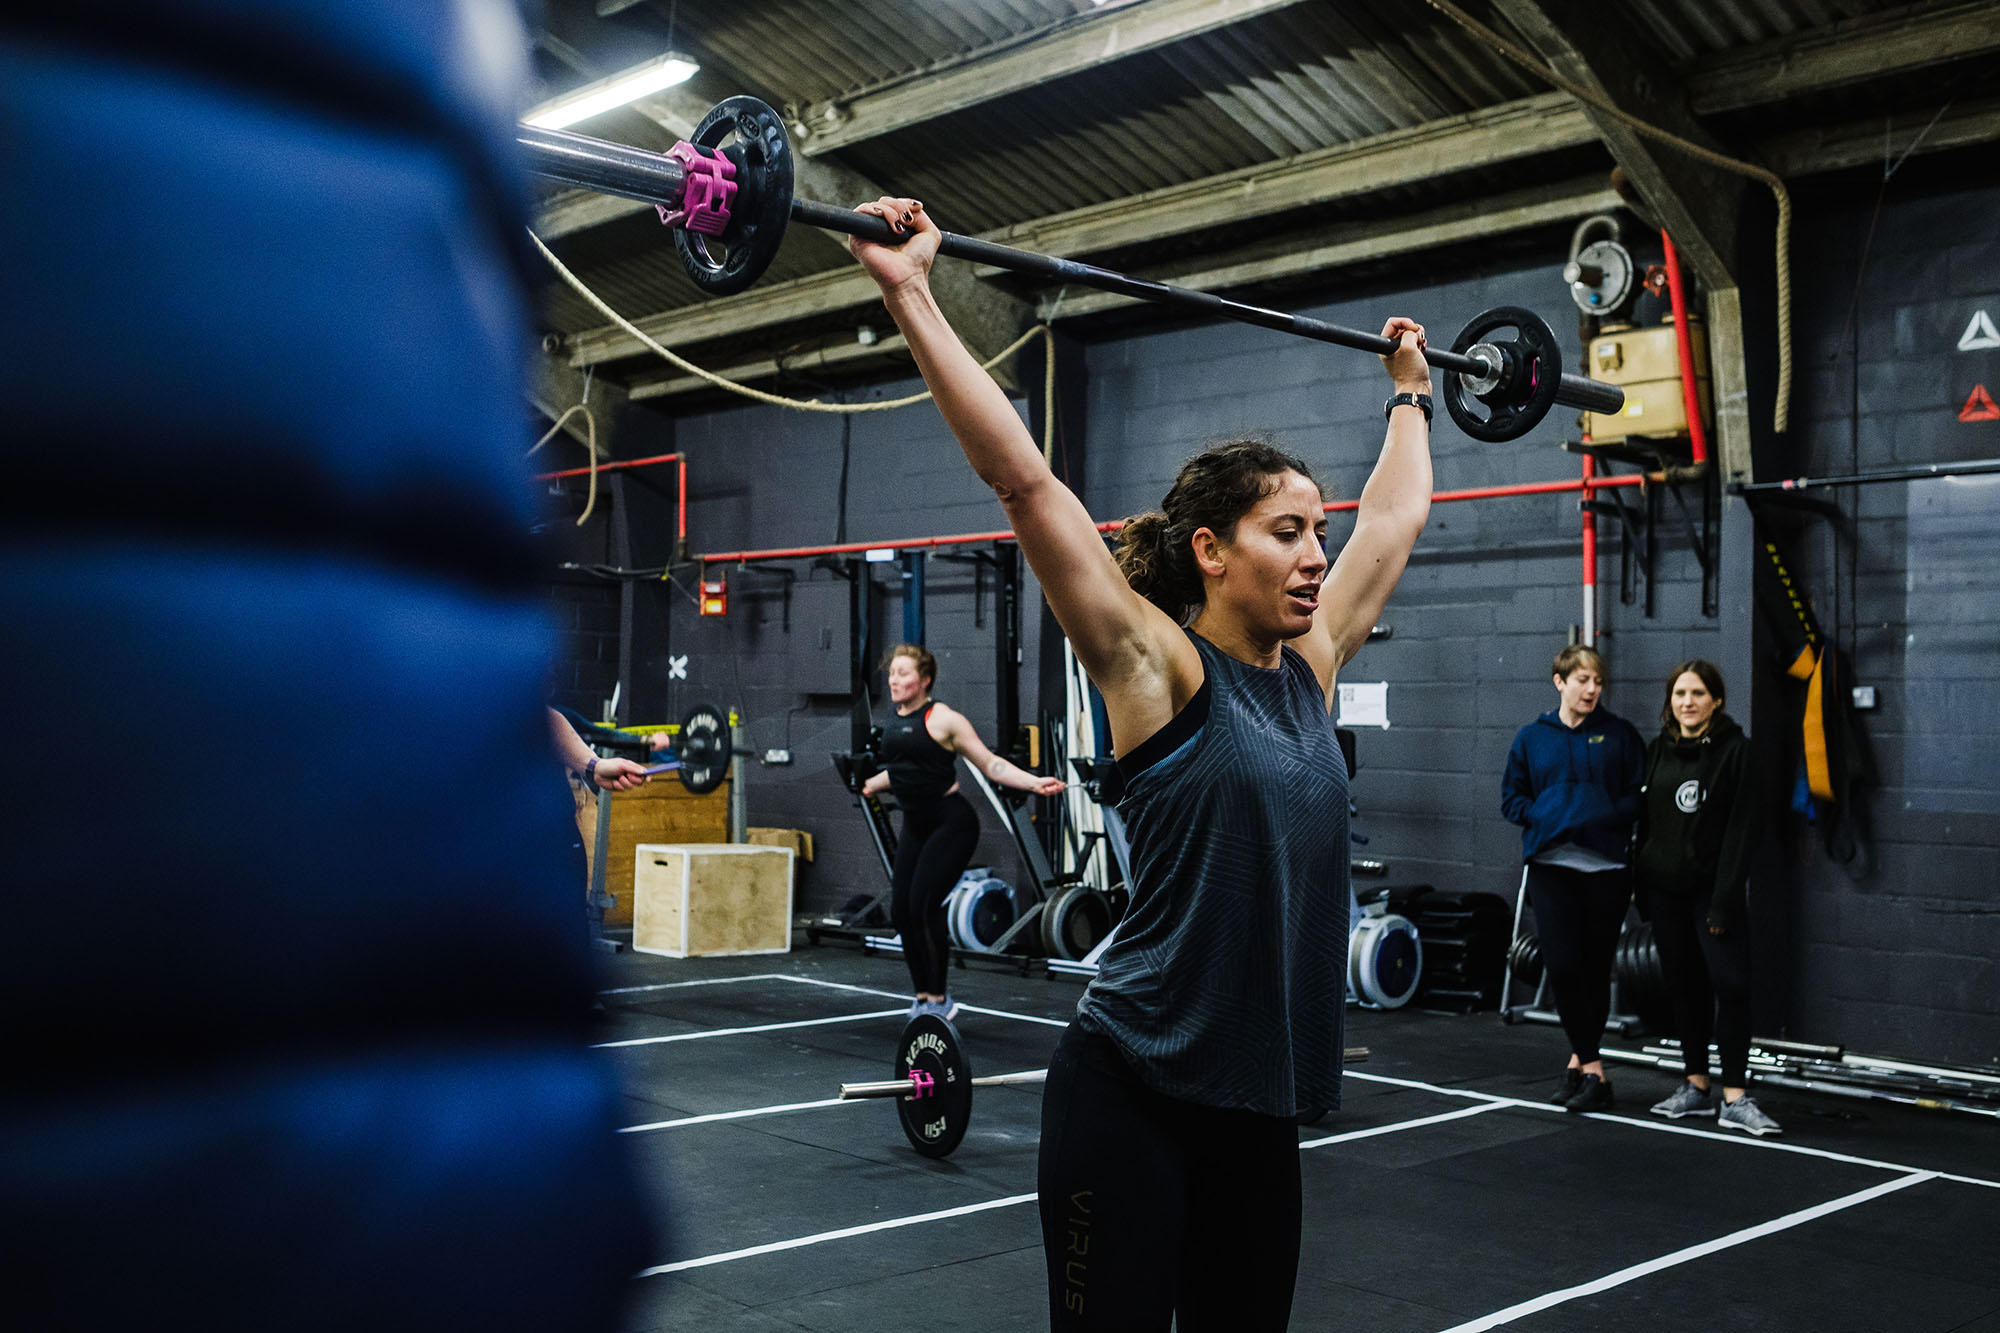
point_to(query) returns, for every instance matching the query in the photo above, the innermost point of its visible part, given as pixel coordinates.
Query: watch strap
(1420, 401)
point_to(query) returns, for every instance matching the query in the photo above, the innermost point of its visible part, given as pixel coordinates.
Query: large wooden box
(692, 900)
(661, 811)
(1646, 363)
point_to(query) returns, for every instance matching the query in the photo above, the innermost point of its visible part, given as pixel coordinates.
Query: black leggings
(932, 851)
(1577, 919)
(1158, 1211)
(1708, 978)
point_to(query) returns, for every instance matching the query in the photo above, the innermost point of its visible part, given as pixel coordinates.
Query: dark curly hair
(1214, 490)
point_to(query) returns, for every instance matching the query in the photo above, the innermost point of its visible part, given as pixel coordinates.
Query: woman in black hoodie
(1695, 838)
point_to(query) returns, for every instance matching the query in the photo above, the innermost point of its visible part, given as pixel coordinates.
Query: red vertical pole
(1589, 557)
(1697, 436)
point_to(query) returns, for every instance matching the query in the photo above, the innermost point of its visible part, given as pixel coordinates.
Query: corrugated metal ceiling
(1296, 79)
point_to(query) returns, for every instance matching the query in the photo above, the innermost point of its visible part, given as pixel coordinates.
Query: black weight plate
(724, 265)
(1051, 921)
(934, 1124)
(1531, 375)
(1524, 960)
(1075, 922)
(703, 749)
(1646, 961)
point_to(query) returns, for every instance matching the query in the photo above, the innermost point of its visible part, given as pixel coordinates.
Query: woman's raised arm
(1118, 635)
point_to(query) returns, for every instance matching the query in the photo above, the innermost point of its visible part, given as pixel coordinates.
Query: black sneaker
(1593, 1094)
(1572, 1080)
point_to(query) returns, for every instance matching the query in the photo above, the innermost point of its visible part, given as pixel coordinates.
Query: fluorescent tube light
(594, 99)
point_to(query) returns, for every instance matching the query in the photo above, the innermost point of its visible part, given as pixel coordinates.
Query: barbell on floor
(933, 1084)
(729, 203)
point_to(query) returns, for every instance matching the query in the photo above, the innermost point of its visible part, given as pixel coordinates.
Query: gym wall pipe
(680, 482)
(1586, 483)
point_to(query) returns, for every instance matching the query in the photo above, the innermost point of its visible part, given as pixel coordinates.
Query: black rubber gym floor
(1443, 1196)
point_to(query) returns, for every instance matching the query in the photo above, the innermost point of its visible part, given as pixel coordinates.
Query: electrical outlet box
(777, 756)
(1864, 696)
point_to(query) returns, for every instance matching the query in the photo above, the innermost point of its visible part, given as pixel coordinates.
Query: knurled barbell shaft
(1576, 390)
(608, 168)
(900, 1087)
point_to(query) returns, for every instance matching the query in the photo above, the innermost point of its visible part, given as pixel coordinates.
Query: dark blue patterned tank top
(1226, 982)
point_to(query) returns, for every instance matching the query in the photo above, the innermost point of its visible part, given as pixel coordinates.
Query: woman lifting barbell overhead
(921, 744)
(1169, 1172)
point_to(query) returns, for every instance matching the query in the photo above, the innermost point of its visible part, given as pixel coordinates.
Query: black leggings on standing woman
(1157, 1211)
(1578, 916)
(932, 851)
(1708, 978)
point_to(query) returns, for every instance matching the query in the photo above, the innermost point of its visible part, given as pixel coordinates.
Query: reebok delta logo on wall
(1979, 334)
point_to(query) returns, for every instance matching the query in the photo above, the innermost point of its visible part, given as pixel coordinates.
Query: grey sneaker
(1746, 1115)
(947, 1008)
(1686, 1100)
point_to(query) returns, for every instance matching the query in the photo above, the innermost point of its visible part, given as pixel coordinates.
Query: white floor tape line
(1369, 1133)
(1663, 1127)
(968, 1008)
(755, 1111)
(1733, 1239)
(750, 1114)
(820, 1238)
(705, 981)
(761, 1027)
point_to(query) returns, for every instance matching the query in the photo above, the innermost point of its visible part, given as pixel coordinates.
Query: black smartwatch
(1421, 401)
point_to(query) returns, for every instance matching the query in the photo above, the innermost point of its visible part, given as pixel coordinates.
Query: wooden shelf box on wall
(691, 900)
(661, 811)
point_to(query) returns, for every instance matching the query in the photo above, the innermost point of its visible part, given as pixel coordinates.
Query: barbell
(702, 750)
(933, 1084)
(728, 195)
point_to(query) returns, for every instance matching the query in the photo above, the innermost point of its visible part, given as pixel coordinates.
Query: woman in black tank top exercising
(1169, 1172)
(921, 743)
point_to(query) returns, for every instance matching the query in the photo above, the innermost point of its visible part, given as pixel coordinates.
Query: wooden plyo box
(661, 811)
(691, 900)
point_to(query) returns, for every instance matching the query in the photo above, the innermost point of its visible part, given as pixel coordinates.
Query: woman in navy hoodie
(1696, 832)
(1573, 785)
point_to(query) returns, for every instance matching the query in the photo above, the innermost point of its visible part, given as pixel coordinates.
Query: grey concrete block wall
(1897, 946)
(586, 671)
(1892, 955)
(1490, 594)
(763, 478)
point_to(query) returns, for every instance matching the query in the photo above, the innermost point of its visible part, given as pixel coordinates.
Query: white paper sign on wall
(1364, 704)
